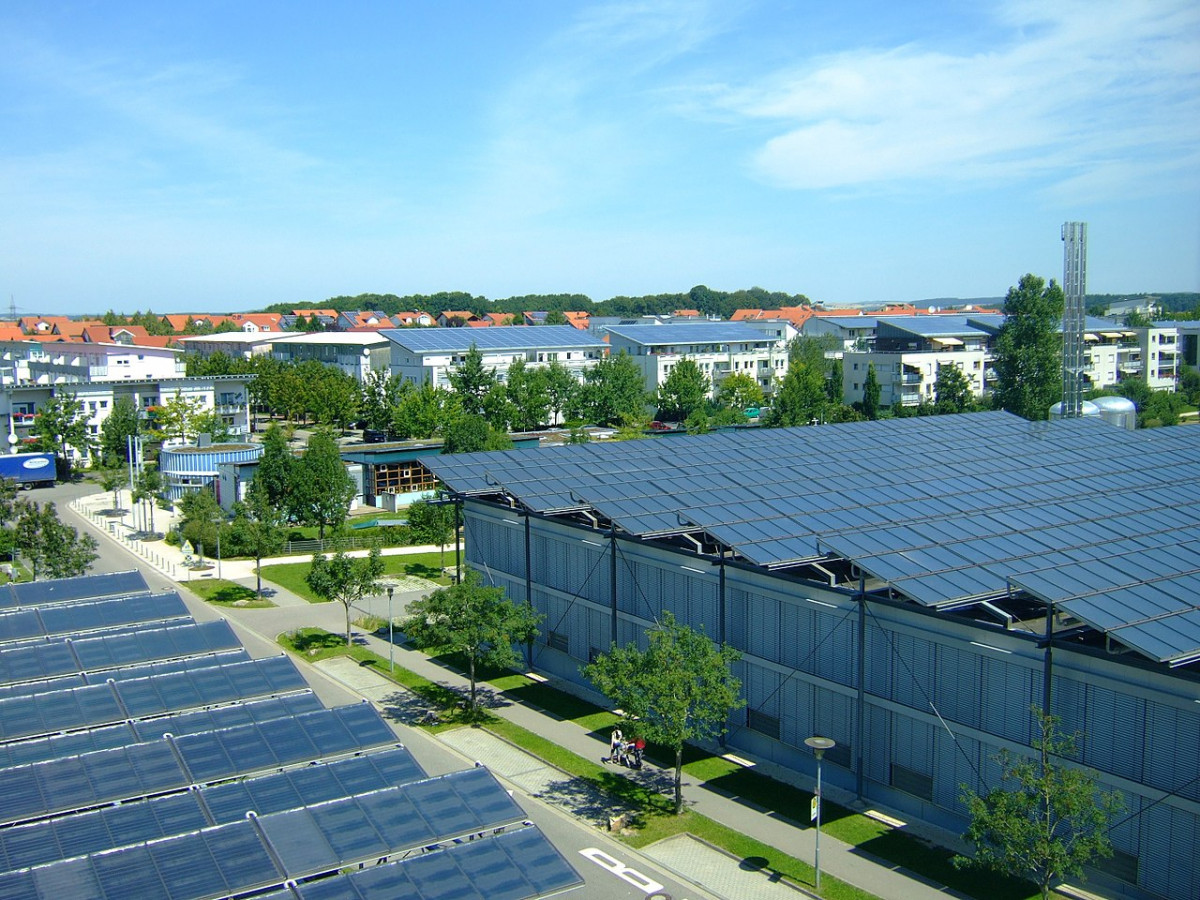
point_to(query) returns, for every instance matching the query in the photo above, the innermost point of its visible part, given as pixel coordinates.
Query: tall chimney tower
(1074, 235)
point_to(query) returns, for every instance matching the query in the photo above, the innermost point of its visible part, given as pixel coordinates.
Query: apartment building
(428, 356)
(720, 349)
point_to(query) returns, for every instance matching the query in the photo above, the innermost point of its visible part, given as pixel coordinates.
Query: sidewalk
(692, 858)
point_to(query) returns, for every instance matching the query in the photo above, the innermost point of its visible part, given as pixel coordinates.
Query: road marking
(625, 873)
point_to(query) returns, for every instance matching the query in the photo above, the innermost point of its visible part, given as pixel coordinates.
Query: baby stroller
(631, 753)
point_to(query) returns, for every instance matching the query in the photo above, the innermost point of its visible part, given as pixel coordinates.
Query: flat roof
(697, 333)
(236, 337)
(503, 337)
(945, 510)
(352, 338)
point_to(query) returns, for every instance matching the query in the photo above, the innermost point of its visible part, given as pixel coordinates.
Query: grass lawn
(423, 565)
(657, 819)
(226, 593)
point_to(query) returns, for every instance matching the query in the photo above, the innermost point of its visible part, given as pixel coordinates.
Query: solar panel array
(49, 659)
(98, 615)
(109, 584)
(945, 509)
(145, 755)
(505, 337)
(691, 334)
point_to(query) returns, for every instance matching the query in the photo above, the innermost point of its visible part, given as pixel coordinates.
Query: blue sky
(226, 155)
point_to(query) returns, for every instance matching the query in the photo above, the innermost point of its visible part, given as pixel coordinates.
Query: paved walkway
(694, 860)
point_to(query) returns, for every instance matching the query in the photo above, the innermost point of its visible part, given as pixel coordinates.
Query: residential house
(455, 318)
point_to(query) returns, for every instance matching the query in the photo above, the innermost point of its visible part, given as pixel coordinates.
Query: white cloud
(1062, 89)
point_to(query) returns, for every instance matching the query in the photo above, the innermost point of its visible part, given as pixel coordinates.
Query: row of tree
(41, 541)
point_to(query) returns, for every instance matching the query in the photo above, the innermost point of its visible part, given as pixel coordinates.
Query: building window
(757, 720)
(556, 640)
(1120, 865)
(840, 755)
(911, 782)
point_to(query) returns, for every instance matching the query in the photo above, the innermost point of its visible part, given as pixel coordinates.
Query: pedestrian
(639, 747)
(614, 744)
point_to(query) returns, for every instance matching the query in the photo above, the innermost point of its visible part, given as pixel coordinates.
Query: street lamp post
(818, 745)
(391, 642)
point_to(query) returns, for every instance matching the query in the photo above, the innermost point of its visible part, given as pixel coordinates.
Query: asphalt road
(611, 870)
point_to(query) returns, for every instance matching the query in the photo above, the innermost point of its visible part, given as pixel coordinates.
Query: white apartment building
(357, 353)
(429, 355)
(720, 349)
(59, 362)
(20, 402)
(234, 344)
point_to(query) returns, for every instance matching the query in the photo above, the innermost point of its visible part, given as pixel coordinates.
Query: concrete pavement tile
(719, 872)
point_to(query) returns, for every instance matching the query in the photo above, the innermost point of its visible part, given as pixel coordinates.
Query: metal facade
(920, 689)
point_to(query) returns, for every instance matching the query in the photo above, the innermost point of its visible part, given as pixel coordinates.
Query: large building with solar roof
(143, 754)
(429, 355)
(908, 587)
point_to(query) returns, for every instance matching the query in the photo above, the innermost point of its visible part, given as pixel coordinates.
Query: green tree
(871, 392)
(432, 523)
(61, 426)
(345, 579)
(561, 386)
(613, 392)
(212, 423)
(472, 619)
(113, 480)
(555, 317)
(200, 519)
(122, 423)
(9, 505)
(800, 400)
(680, 688)
(683, 391)
(529, 396)
(274, 476)
(322, 489)
(472, 434)
(740, 391)
(177, 416)
(381, 395)
(472, 381)
(952, 390)
(333, 398)
(1189, 385)
(51, 548)
(1028, 351)
(148, 488)
(422, 412)
(1046, 821)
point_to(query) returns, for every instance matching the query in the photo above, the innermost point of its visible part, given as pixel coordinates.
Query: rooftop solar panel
(459, 340)
(691, 334)
(109, 827)
(36, 593)
(139, 770)
(515, 865)
(1020, 491)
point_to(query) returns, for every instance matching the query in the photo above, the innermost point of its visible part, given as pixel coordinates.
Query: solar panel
(459, 340)
(514, 865)
(691, 334)
(109, 584)
(152, 767)
(99, 704)
(102, 829)
(778, 498)
(46, 666)
(74, 617)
